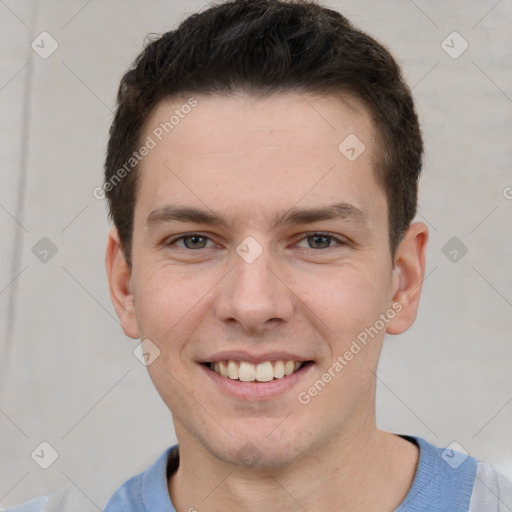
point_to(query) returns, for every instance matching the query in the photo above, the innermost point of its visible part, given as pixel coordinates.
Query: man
(262, 176)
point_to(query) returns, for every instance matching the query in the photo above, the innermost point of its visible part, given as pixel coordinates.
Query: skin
(250, 159)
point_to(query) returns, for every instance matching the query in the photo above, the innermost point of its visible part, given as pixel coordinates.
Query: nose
(254, 297)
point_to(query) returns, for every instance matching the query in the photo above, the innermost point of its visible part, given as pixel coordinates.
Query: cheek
(163, 300)
(346, 301)
(171, 304)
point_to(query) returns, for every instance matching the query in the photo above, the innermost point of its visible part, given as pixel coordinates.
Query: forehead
(315, 122)
(236, 151)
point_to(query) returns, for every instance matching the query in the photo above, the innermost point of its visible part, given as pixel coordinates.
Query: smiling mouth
(262, 372)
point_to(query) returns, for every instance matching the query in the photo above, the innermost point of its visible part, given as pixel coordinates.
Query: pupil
(318, 240)
(194, 240)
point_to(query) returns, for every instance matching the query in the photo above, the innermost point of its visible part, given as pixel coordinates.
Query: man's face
(267, 284)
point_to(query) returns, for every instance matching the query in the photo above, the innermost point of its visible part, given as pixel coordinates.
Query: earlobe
(119, 279)
(408, 275)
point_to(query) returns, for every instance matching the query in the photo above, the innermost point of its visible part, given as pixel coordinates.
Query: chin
(259, 449)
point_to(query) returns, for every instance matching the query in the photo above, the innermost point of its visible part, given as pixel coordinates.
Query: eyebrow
(340, 211)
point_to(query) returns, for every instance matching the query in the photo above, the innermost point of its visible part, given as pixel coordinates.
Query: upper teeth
(262, 372)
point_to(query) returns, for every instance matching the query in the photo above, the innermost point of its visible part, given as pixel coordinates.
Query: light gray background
(67, 372)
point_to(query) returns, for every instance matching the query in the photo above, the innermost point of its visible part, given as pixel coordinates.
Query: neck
(360, 470)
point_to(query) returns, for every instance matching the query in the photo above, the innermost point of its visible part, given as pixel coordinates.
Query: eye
(194, 241)
(321, 241)
(190, 241)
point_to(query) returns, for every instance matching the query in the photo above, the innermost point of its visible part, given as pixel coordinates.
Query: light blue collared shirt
(445, 481)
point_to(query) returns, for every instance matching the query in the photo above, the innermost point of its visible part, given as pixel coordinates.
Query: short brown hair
(264, 47)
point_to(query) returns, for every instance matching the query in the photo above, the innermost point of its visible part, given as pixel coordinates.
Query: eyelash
(172, 242)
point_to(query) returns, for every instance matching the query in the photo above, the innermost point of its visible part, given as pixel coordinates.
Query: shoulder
(35, 505)
(448, 479)
(492, 491)
(443, 481)
(62, 501)
(148, 488)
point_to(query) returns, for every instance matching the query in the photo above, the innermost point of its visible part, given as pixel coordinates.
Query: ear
(408, 275)
(119, 275)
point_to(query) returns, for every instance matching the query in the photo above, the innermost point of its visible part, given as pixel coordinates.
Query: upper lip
(252, 357)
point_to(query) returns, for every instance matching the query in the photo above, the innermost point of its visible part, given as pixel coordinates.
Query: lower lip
(258, 390)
